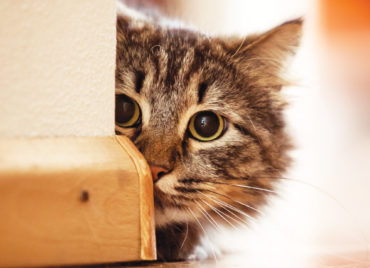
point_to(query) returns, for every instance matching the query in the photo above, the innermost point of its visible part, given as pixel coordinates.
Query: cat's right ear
(263, 56)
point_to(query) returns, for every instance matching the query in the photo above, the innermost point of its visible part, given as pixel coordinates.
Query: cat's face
(206, 113)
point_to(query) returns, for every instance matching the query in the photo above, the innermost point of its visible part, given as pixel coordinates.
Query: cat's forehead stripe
(140, 76)
(201, 91)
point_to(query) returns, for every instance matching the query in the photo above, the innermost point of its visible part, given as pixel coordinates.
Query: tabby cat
(207, 114)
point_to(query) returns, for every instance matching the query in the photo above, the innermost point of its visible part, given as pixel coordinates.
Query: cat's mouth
(170, 208)
(166, 193)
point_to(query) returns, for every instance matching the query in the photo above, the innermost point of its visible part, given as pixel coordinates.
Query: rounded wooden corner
(147, 224)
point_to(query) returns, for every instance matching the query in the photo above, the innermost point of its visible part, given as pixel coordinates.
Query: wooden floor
(353, 260)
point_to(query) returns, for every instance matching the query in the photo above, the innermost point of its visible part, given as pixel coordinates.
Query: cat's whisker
(254, 127)
(186, 235)
(265, 59)
(204, 232)
(208, 216)
(218, 213)
(245, 186)
(313, 186)
(253, 188)
(229, 206)
(236, 201)
(239, 47)
(236, 209)
(238, 219)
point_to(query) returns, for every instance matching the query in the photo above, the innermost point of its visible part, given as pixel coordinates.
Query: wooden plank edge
(147, 224)
(104, 154)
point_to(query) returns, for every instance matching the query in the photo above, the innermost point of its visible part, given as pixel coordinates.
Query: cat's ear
(266, 54)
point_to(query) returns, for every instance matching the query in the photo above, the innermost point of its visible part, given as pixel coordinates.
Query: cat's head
(207, 114)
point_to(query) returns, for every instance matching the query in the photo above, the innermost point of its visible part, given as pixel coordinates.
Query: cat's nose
(157, 172)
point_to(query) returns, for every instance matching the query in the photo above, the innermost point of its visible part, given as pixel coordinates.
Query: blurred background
(322, 218)
(62, 51)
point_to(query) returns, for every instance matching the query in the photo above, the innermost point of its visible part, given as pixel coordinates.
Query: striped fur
(173, 73)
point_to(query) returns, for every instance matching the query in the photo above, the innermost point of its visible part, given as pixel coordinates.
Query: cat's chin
(167, 216)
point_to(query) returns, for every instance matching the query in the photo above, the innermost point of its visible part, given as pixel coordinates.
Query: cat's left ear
(265, 55)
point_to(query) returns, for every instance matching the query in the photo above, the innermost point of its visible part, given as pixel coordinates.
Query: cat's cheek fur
(167, 184)
(167, 216)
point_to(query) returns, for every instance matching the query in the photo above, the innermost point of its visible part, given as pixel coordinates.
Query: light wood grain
(148, 245)
(74, 200)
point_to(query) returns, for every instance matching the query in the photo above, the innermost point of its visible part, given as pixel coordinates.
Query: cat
(207, 114)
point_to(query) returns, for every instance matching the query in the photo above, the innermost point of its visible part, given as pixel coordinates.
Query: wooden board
(74, 200)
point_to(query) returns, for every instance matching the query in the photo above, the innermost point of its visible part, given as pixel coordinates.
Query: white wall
(236, 16)
(57, 67)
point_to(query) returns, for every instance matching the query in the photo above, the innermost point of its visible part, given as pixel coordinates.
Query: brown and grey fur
(174, 73)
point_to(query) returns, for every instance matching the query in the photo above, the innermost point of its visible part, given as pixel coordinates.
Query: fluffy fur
(172, 73)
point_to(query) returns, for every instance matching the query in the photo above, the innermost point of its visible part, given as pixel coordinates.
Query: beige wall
(57, 67)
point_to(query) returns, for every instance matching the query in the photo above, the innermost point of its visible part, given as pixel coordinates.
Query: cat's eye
(128, 113)
(206, 126)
